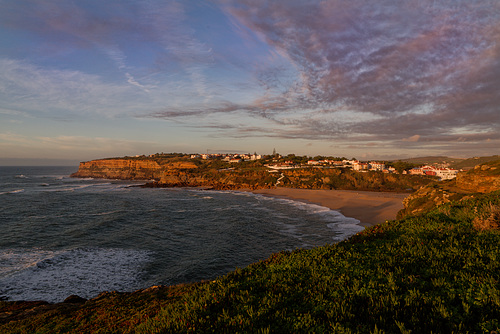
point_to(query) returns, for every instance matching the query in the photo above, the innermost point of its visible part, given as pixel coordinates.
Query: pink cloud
(388, 58)
(412, 138)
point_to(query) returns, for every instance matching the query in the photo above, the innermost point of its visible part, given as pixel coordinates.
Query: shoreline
(369, 207)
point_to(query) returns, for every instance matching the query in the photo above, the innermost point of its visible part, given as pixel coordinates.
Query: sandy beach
(370, 208)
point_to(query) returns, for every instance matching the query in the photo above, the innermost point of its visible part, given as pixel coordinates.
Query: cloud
(112, 27)
(345, 70)
(13, 145)
(414, 67)
(412, 138)
(29, 89)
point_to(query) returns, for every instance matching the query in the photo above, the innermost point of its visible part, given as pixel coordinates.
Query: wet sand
(370, 208)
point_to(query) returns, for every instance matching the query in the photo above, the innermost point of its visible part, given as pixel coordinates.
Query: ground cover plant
(434, 273)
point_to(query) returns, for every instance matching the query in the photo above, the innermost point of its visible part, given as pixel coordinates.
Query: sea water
(61, 236)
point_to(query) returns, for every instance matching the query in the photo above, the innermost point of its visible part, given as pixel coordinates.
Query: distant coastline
(372, 197)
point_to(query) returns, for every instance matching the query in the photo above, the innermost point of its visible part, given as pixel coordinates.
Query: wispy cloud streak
(74, 25)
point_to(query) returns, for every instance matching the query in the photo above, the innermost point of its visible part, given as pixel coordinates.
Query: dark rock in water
(74, 299)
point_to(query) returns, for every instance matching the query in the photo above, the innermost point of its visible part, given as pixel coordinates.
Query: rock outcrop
(124, 169)
(169, 173)
(133, 169)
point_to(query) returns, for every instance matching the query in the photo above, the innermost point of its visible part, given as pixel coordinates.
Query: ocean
(62, 236)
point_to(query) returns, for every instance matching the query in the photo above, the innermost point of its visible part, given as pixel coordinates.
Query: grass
(434, 273)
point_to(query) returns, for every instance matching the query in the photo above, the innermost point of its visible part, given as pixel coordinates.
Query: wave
(64, 188)
(345, 230)
(12, 192)
(97, 187)
(53, 276)
(342, 227)
(12, 261)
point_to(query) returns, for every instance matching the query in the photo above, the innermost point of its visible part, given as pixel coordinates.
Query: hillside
(217, 174)
(456, 163)
(437, 272)
(430, 160)
(472, 162)
(482, 178)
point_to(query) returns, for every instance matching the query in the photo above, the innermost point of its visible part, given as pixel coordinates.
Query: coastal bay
(369, 207)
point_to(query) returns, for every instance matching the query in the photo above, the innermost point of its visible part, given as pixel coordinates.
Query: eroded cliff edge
(174, 172)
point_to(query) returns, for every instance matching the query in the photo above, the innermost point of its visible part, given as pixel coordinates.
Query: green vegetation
(222, 175)
(347, 179)
(254, 175)
(433, 273)
(401, 166)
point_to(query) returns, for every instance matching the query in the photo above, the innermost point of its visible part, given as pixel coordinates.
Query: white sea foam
(17, 191)
(65, 188)
(12, 261)
(342, 226)
(345, 230)
(53, 276)
(96, 187)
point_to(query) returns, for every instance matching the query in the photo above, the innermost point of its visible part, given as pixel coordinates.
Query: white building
(377, 165)
(360, 166)
(446, 173)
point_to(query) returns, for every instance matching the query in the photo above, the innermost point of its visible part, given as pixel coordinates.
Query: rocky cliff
(125, 169)
(174, 173)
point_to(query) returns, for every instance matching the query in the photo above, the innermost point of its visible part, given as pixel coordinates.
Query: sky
(385, 79)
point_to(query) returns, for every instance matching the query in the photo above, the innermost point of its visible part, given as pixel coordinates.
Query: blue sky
(385, 79)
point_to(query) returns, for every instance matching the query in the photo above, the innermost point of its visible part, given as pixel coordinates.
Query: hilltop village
(278, 162)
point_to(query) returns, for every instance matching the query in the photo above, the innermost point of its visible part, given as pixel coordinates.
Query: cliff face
(118, 169)
(167, 173)
(125, 169)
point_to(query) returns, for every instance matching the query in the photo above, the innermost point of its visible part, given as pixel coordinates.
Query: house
(377, 165)
(360, 166)
(446, 173)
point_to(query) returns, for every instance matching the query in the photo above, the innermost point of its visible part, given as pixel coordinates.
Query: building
(446, 173)
(442, 173)
(377, 166)
(360, 166)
